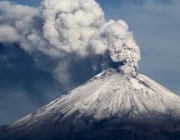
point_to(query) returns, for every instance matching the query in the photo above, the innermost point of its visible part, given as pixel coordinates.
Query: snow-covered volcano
(112, 105)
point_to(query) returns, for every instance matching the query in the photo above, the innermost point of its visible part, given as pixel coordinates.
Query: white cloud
(60, 29)
(8, 34)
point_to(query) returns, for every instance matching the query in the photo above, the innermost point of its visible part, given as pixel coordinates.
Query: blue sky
(156, 28)
(27, 2)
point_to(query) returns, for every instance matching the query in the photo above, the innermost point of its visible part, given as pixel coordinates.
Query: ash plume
(72, 34)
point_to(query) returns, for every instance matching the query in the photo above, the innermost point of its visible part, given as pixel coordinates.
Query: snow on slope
(107, 95)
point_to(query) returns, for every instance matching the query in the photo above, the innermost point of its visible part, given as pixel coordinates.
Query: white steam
(61, 28)
(79, 26)
(70, 25)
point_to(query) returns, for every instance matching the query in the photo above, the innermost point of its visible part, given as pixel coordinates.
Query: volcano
(112, 105)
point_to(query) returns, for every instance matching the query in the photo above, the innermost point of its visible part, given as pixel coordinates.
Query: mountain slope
(111, 105)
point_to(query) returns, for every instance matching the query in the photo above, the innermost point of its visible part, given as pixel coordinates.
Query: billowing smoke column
(70, 31)
(79, 26)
